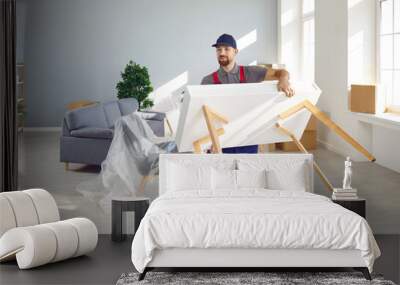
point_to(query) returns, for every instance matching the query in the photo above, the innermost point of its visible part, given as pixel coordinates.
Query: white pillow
(282, 173)
(183, 177)
(223, 179)
(251, 179)
(293, 179)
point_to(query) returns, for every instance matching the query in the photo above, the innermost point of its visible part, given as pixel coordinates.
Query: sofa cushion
(112, 112)
(91, 116)
(128, 106)
(98, 133)
(157, 127)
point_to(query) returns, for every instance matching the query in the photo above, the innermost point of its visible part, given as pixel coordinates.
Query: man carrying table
(229, 72)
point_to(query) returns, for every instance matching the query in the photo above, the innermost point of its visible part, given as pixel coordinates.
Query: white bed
(206, 222)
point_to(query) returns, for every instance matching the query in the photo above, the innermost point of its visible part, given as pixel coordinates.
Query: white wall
(361, 42)
(76, 49)
(385, 145)
(345, 54)
(331, 66)
(289, 36)
(362, 69)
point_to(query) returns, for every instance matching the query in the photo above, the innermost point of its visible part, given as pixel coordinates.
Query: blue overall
(236, 149)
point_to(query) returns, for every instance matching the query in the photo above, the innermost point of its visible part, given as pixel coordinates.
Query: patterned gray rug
(243, 278)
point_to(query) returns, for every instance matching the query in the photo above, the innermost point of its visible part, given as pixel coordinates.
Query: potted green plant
(136, 84)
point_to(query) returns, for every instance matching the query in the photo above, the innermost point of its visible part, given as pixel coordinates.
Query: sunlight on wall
(247, 40)
(287, 17)
(164, 100)
(356, 58)
(289, 57)
(290, 36)
(308, 6)
(166, 97)
(352, 3)
(361, 39)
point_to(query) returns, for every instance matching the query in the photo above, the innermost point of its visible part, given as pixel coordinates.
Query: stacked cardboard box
(309, 138)
(272, 65)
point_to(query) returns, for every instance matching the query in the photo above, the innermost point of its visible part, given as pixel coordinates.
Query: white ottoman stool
(31, 232)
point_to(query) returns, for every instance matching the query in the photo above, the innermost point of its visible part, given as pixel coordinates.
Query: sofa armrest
(65, 131)
(151, 115)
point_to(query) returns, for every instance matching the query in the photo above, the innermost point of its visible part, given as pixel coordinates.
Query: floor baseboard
(42, 129)
(332, 148)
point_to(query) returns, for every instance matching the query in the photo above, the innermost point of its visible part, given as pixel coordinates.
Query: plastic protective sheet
(131, 166)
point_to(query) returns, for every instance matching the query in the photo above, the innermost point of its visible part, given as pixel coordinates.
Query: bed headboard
(233, 161)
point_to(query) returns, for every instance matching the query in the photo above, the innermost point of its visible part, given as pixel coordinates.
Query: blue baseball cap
(226, 40)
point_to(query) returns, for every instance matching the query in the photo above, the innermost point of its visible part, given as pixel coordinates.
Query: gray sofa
(87, 132)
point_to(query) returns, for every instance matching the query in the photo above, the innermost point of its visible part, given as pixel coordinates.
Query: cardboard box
(312, 124)
(309, 138)
(362, 99)
(264, 148)
(309, 141)
(272, 65)
(80, 104)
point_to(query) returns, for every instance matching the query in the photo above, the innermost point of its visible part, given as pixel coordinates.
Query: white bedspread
(250, 219)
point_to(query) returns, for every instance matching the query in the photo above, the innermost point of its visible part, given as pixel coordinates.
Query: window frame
(304, 18)
(388, 106)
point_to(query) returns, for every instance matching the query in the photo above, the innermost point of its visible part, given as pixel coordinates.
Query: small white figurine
(347, 174)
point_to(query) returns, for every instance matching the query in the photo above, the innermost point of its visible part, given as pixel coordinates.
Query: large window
(389, 55)
(308, 40)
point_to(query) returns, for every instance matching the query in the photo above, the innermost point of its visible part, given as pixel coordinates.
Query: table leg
(140, 211)
(116, 221)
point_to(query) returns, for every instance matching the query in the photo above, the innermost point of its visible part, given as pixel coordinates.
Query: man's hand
(283, 77)
(284, 85)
